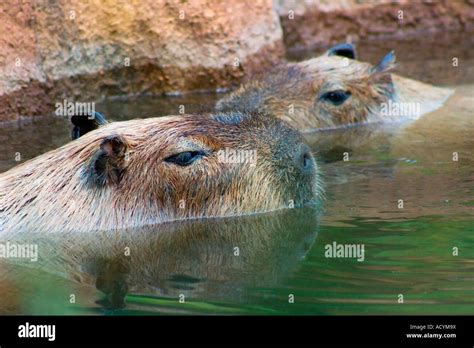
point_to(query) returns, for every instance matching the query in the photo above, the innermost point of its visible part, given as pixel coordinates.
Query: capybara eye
(184, 158)
(336, 97)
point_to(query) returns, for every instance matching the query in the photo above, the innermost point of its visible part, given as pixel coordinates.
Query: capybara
(206, 259)
(140, 172)
(335, 90)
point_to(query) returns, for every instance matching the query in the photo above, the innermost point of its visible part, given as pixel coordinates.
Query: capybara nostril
(304, 160)
(307, 161)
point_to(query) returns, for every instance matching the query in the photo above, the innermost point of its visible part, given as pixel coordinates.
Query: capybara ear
(343, 50)
(386, 63)
(380, 74)
(109, 162)
(85, 123)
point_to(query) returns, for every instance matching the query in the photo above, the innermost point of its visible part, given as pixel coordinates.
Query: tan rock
(20, 70)
(311, 23)
(82, 50)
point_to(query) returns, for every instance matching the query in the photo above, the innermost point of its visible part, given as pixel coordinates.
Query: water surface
(423, 251)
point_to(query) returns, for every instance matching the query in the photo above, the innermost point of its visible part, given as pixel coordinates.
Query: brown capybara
(335, 90)
(139, 172)
(205, 260)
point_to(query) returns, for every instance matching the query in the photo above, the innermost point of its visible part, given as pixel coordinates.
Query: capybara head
(328, 91)
(155, 170)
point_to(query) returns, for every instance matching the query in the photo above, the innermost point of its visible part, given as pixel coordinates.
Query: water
(409, 251)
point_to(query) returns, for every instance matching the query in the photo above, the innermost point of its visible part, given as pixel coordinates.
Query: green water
(422, 251)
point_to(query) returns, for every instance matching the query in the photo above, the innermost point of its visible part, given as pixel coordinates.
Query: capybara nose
(303, 159)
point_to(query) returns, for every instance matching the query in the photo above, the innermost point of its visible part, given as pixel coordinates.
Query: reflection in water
(408, 251)
(427, 163)
(206, 259)
(341, 144)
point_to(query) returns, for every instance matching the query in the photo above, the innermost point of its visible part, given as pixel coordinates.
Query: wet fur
(300, 86)
(57, 191)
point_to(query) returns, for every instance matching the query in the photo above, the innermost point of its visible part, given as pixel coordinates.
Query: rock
(19, 69)
(84, 50)
(312, 23)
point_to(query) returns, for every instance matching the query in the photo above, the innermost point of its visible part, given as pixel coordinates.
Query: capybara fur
(140, 172)
(202, 259)
(335, 90)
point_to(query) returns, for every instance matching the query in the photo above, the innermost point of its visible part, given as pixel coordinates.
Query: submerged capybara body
(335, 90)
(141, 172)
(206, 259)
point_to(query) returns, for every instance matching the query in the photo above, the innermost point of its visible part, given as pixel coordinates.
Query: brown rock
(309, 24)
(83, 50)
(20, 69)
